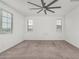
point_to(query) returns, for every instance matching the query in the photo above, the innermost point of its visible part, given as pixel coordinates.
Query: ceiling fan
(45, 7)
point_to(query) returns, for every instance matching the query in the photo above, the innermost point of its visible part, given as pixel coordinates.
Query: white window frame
(6, 30)
(59, 25)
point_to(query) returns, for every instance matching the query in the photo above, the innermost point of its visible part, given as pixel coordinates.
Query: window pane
(4, 19)
(59, 22)
(4, 25)
(30, 22)
(9, 26)
(9, 20)
(59, 25)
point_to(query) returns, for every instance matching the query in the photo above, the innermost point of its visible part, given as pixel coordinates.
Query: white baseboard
(73, 43)
(11, 46)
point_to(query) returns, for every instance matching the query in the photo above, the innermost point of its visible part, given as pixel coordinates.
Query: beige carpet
(42, 50)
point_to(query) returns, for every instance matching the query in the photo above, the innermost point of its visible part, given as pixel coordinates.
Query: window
(6, 19)
(29, 25)
(59, 25)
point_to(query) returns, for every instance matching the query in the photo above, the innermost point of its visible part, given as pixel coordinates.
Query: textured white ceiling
(24, 7)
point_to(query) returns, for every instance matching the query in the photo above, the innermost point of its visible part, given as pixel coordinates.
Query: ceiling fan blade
(52, 3)
(45, 12)
(51, 11)
(54, 7)
(34, 4)
(39, 11)
(43, 4)
(35, 8)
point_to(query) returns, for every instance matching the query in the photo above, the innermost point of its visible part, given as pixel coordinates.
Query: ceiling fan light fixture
(45, 7)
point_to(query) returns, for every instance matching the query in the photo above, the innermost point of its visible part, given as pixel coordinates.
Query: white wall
(9, 40)
(44, 28)
(72, 27)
